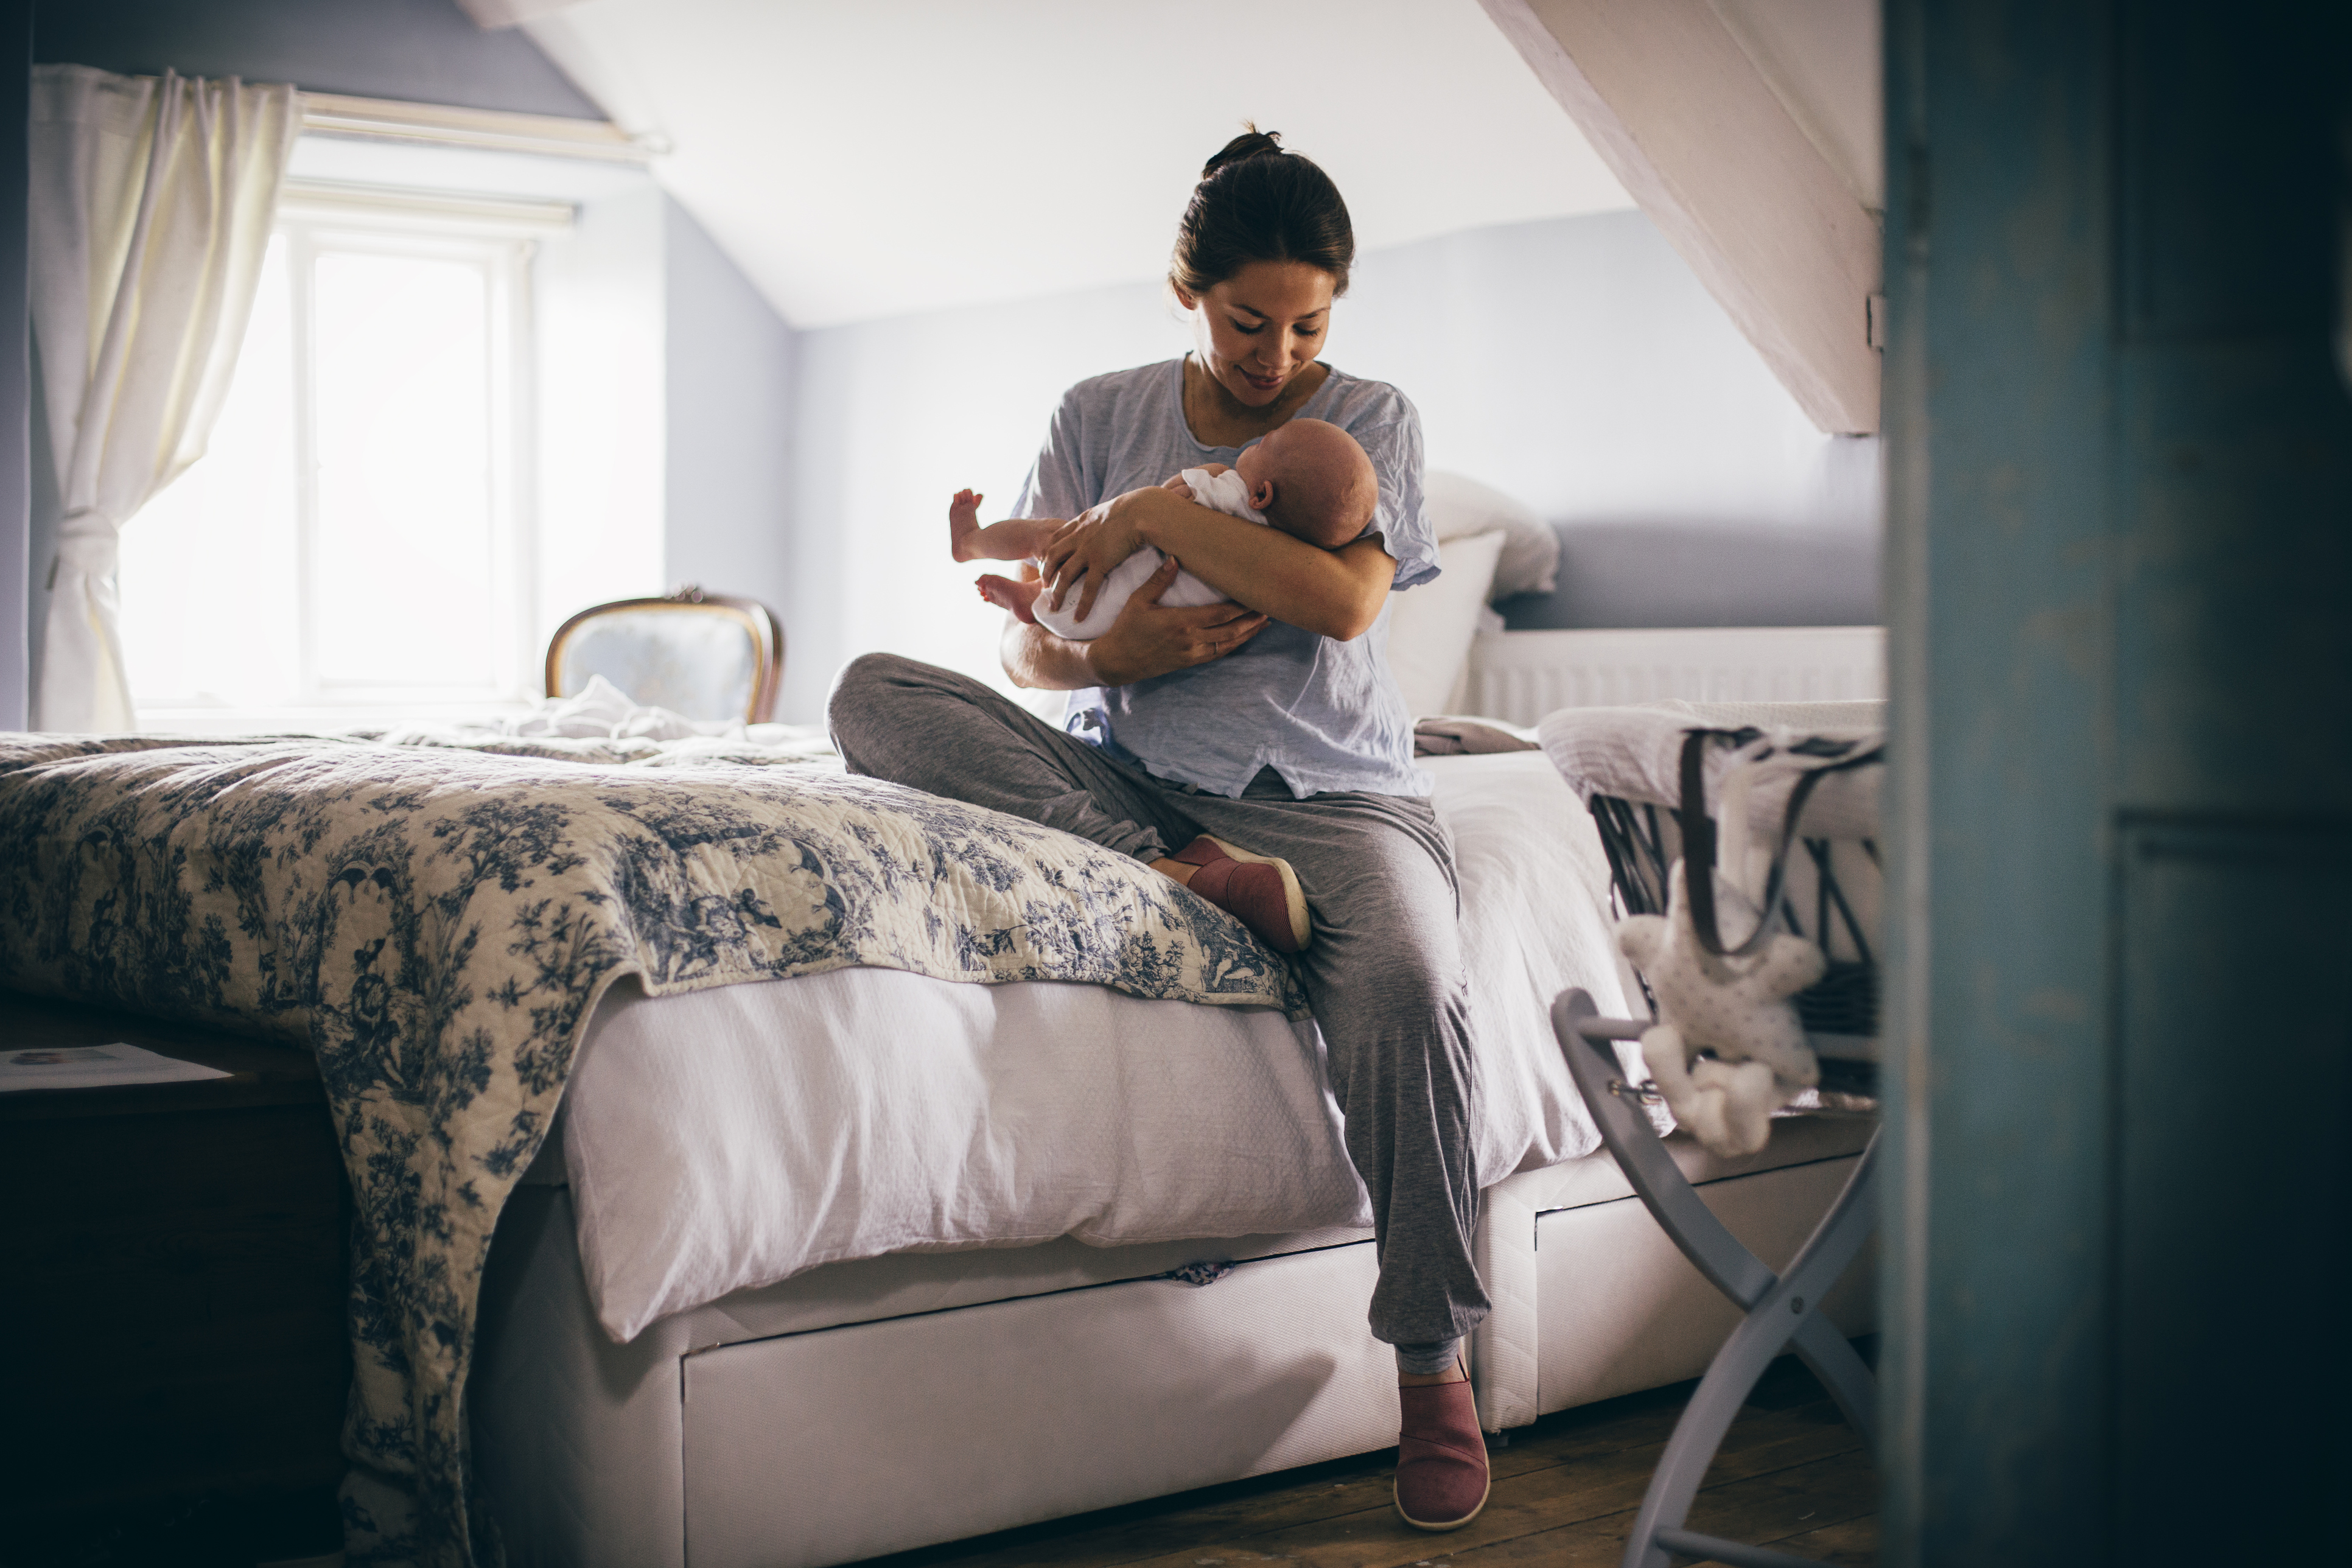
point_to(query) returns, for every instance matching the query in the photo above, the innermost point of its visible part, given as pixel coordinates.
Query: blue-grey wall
(1574, 362)
(423, 51)
(729, 477)
(16, 384)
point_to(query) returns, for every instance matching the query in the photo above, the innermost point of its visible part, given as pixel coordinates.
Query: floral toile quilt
(435, 923)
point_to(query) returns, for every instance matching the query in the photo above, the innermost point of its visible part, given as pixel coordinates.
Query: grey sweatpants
(1384, 972)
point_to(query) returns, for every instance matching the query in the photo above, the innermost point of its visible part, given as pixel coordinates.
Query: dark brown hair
(1258, 202)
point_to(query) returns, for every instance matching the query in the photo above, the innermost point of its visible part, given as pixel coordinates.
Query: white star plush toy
(1738, 1007)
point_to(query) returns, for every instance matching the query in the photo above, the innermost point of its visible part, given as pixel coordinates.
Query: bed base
(1784, 1310)
(833, 1444)
(708, 1443)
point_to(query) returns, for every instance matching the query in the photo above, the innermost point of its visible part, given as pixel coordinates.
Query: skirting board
(1519, 677)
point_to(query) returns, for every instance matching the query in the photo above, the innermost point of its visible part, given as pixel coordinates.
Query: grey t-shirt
(1325, 715)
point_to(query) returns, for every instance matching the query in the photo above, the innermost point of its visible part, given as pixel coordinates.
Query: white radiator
(1519, 677)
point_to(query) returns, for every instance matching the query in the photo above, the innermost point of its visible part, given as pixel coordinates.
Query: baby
(1308, 478)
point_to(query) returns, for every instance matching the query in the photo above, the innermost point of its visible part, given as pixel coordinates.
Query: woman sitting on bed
(1270, 723)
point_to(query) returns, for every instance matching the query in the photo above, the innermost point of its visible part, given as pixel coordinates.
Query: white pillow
(1460, 506)
(1430, 626)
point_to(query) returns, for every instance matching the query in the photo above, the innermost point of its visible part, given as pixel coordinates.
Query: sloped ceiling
(1748, 130)
(887, 156)
(1821, 58)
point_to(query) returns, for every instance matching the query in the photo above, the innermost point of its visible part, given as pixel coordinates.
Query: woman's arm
(1335, 594)
(1146, 639)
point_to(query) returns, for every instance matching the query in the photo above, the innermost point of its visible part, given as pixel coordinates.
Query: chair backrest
(706, 656)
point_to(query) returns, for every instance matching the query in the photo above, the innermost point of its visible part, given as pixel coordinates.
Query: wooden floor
(1792, 1474)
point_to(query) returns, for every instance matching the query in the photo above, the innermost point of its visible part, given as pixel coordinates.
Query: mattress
(727, 1139)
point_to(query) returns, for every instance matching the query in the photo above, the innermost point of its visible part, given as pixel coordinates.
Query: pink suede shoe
(1441, 1474)
(1258, 890)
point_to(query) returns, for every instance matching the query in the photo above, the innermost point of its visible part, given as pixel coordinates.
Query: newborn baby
(1308, 478)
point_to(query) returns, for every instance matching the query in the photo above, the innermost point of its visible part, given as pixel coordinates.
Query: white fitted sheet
(729, 1139)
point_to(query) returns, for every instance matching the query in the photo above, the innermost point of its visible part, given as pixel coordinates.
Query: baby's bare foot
(963, 522)
(1007, 594)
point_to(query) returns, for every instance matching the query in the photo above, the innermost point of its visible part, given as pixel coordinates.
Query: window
(360, 532)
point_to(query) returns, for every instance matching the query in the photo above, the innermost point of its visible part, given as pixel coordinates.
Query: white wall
(727, 476)
(893, 417)
(602, 406)
(1575, 363)
(1578, 364)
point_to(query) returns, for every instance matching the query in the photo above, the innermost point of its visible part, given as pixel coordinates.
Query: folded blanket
(600, 722)
(436, 924)
(1635, 754)
(1446, 735)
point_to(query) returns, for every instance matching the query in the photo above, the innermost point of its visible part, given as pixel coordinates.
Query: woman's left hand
(1084, 549)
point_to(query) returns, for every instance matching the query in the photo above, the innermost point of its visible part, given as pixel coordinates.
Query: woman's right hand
(1148, 640)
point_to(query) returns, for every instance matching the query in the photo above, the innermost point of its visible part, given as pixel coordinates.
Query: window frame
(501, 235)
(316, 219)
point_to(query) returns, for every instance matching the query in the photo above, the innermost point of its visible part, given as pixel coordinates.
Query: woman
(1271, 721)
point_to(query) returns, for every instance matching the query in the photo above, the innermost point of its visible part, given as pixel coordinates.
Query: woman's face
(1261, 327)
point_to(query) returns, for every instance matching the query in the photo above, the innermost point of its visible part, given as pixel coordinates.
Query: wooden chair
(706, 656)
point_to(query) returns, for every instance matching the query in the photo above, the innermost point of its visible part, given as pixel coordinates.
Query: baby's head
(1312, 481)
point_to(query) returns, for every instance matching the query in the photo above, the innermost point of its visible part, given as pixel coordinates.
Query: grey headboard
(1665, 572)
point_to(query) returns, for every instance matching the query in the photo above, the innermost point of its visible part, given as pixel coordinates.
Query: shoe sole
(1294, 897)
(1398, 1503)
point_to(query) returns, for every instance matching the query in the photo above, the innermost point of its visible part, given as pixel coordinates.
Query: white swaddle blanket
(1225, 492)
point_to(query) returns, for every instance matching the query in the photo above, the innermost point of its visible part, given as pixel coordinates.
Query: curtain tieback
(89, 543)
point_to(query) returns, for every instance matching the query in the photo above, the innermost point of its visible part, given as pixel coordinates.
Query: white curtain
(150, 207)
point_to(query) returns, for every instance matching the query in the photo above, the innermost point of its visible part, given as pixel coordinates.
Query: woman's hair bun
(1258, 202)
(1251, 144)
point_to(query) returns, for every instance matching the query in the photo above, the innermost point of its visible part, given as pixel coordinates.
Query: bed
(694, 1336)
(1126, 1363)
(1177, 1304)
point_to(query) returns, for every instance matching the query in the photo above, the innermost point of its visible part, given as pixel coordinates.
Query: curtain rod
(489, 129)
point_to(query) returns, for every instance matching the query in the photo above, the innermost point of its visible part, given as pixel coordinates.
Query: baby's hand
(963, 522)
(1176, 482)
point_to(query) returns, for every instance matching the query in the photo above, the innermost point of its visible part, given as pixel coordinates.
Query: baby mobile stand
(1838, 1015)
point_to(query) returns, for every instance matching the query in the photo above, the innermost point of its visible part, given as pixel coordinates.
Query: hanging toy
(1736, 1005)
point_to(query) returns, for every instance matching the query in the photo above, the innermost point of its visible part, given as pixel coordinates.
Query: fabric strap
(1699, 832)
